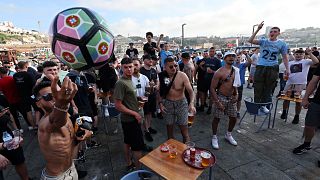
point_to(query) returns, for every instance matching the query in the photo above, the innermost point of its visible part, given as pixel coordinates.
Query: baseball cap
(229, 53)
(185, 55)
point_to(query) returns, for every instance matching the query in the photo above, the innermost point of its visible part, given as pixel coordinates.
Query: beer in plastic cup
(172, 151)
(190, 118)
(205, 159)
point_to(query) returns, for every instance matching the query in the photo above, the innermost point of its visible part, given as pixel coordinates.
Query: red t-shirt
(9, 89)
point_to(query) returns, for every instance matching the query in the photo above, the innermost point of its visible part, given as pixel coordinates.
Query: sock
(228, 133)
(306, 144)
(214, 136)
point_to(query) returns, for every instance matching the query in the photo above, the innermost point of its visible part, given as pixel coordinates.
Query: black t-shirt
(316, 98)
(148, 48)
(214, 64)
(81, 99)
(201, 73)
(151, 74)
(32, 72)
(132, 52)
(24, 82)
(108, 78)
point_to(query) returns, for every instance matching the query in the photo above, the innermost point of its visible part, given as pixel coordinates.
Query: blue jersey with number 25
(270, 50)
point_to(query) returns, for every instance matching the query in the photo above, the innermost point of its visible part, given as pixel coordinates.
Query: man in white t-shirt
(254, 60)
(297, 80)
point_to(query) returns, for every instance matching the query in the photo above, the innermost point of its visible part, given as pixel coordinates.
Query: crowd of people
(60, 104)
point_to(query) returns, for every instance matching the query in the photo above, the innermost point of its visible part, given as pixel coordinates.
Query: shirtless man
(56, 133)
(224, 94)
(172, 101)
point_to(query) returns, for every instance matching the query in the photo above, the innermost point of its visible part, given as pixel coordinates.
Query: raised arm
(62, 97)
(158, 42)
(314, 59)
(252, 38)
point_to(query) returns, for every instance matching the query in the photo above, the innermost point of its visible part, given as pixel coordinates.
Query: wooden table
(287, 98)
(168, 168)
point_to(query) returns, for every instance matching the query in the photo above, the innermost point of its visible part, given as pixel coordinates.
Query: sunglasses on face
(173, 66)
(273, 31)
(8, 67)
(46, 97)
(127, 67)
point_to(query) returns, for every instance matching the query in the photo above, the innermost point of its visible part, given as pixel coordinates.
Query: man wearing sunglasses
(225, 95)
(172, 100)
(8, 66)
(56, 133)
(267, 69)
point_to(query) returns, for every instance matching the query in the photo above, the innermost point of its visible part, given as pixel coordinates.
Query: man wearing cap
(188, 68)
(224, 95)
(267, 69)
(132, 52)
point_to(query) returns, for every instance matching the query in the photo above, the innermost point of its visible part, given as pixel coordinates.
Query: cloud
(235, 18)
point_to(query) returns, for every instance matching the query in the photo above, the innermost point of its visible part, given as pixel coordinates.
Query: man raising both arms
(267, 69)
(56, 133)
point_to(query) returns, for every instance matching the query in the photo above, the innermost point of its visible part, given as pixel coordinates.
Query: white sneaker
(264, 109)
(230, 139)
(214, 143)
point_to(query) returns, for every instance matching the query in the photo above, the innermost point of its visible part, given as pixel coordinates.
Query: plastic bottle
(7, 139)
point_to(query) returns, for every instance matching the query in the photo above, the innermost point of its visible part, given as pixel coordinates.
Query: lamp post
(182, 37)
(253, 29)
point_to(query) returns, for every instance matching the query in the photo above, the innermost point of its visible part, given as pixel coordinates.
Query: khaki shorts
(230, 107)
(70, 174)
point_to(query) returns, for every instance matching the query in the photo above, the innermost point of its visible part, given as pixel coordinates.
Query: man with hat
(224, 95)
(188, 68)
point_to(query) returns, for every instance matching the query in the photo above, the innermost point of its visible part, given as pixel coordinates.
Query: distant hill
(309, 36)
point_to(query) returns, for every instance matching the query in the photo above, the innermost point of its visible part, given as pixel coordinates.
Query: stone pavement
(264, 155)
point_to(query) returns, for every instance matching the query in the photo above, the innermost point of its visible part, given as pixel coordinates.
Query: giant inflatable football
(81, 38)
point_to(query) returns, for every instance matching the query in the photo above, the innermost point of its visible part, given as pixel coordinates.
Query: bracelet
(61, 109)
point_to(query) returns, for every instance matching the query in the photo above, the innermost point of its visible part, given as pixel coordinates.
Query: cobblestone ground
(263, 155)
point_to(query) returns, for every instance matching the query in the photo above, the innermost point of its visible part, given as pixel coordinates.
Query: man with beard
(172, 100)
(56, 133)
(224, 94)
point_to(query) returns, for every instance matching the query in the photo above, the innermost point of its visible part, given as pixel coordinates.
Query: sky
(202, 17)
